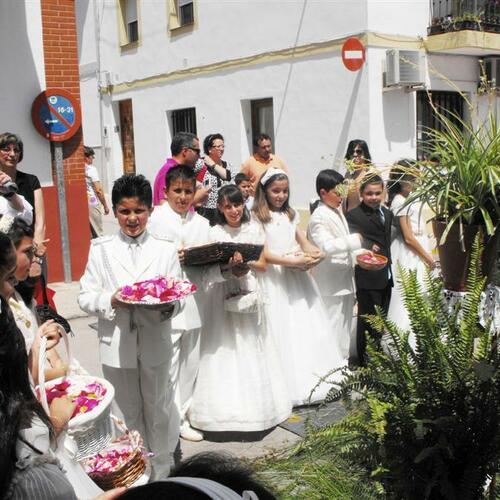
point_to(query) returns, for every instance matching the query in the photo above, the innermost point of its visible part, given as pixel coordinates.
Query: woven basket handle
(42, 359)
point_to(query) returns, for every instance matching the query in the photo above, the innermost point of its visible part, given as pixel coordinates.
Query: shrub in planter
(462, 189)
(427, 424)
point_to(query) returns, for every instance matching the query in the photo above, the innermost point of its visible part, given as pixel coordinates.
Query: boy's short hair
(371, 179)
(180, 172)
(328, 179)
(132, 186)
(241, 177)
(88, 151)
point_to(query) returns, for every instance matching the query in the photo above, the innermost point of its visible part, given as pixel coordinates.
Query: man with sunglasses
(185, 149)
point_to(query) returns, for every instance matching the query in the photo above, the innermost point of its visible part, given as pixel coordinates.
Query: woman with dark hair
(24, 312)
(11, 154)
(358, 161)
(240, 386)
(214, 173)
(411, 248)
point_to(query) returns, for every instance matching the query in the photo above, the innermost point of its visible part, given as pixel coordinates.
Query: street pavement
(85, 349)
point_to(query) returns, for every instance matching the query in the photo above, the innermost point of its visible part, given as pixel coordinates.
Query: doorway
(127, 136)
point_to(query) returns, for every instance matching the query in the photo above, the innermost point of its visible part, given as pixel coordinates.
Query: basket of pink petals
(90, 425)
(121, 463)
(155, 292)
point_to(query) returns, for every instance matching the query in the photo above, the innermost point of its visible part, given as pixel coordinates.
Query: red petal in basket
(162, 289)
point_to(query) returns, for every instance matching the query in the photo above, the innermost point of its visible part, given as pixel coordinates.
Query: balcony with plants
(458, 15)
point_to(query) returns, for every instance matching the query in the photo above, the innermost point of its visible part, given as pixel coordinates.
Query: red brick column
(61, 70)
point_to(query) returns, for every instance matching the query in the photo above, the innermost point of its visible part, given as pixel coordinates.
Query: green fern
(427, 424)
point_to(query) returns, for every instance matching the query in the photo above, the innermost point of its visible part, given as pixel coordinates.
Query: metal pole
(63, 214)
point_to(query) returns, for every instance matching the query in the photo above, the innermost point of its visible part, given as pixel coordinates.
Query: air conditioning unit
(491, 68)
(404, 68)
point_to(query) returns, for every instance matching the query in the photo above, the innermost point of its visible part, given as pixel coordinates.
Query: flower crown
(6, 222)
(271, 172)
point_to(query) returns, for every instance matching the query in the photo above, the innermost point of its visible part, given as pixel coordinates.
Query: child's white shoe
(190, 434)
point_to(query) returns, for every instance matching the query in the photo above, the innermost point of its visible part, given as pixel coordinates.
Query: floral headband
(271, 172)
(6, 222)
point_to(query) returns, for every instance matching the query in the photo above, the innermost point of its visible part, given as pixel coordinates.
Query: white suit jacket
(125, 336)
(185, 232)
(328, 230)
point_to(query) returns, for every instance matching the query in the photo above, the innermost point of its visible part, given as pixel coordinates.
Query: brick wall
(60, 48)
(61, 71)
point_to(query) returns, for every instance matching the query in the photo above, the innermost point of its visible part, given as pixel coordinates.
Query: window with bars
(183, 120)
(450, 104)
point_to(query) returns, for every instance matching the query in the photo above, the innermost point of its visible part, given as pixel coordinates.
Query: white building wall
(225, 31)
(21, 28)
(318, 104)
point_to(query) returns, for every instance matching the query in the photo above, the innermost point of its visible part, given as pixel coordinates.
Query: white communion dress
(297, 318)
(405, 257)
(240, 385)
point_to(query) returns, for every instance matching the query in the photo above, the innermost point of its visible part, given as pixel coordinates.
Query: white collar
(139, 240)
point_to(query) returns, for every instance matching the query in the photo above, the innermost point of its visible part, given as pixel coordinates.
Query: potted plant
(462, 187)
(426, 423)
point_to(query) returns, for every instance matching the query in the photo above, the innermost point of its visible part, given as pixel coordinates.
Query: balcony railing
(456, 15)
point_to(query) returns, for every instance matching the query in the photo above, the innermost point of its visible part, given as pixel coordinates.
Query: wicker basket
(126, 475)
(220, 253)
(129, 472)
(90, 431)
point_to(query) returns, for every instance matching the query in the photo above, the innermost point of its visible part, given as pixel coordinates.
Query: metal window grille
(184, 120)
(450, 104)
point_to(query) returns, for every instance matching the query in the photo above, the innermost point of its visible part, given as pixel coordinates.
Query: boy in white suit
(135, 343)
(329, 231)
(174, 220)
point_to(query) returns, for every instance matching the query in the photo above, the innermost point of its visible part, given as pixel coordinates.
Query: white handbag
(243, 302)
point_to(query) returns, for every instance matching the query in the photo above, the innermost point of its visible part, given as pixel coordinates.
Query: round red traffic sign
(353, 54)
(56, 114)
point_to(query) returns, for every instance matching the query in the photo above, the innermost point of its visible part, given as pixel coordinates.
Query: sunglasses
(358, 151)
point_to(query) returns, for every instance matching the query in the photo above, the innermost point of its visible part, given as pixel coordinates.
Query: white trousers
(185, 365)
(340, 314)
(145, 398)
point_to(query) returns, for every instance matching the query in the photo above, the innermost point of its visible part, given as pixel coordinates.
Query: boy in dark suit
(373, 288)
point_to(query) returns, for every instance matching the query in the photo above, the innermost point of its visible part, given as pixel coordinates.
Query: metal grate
(183, 120)
(451, 104)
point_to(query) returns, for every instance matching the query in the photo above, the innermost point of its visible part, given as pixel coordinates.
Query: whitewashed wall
(23, 61)
(318, 105)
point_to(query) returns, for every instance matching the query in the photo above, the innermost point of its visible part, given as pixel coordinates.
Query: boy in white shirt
(329, 231)
(174, 221)
(243, 183)
(135, 343)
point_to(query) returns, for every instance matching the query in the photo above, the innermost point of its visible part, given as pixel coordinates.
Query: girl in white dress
(411, 248)
(240, 385)
(295, 312)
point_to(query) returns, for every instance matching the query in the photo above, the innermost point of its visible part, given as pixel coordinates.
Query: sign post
(353, 54)
(56, 116)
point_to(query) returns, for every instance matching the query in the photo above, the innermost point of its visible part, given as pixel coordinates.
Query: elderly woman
(11, 153)
(213, 172)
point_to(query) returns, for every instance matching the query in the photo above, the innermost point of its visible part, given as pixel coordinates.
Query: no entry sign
(56, 114)
(353, 54)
